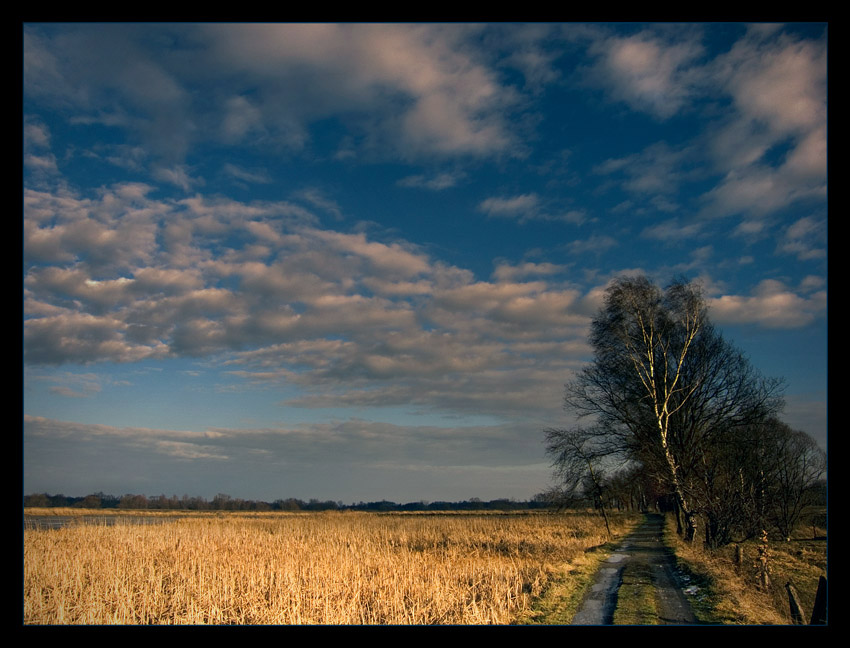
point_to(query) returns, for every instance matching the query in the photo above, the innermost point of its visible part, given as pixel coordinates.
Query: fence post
(819, 611)
(794, 602)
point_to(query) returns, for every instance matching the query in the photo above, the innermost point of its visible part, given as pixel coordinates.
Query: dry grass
(732, 593)
(333, 568)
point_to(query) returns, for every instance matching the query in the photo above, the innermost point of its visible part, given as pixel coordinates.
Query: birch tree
(664, 383)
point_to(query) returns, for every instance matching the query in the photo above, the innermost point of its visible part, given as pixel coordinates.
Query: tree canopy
(666, 392)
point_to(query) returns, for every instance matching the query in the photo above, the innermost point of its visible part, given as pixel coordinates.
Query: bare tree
(793, 465)
(664, 384)
(576, 463)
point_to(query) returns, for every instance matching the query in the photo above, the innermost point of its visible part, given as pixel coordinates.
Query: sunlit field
(308, 568)
(736, 595)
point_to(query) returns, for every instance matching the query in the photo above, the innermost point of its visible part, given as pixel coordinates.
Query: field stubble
(333, 568)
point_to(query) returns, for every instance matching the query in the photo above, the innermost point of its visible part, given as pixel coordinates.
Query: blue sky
(359, 262)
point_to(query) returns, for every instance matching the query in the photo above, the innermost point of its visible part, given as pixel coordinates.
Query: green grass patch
(636, 601)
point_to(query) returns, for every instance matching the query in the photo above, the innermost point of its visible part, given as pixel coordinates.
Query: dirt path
(642, 548)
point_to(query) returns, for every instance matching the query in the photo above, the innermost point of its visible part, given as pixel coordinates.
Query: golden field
(303, 568)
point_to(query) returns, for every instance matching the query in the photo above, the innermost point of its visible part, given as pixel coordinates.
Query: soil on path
(644, 546)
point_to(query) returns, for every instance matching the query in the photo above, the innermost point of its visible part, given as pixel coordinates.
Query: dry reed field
(308, 568)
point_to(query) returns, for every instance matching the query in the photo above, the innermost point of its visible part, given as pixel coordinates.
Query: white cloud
(672, 230)
(771, 305)
(451, 102)
(807, 161)
(779, 93)
(240, 119)
(529, 207)
(246, 175)
(45, 163)
(318, 199)
(221, 276)
(768, 146)
(531, 48)
(812, 283)
(507, 272)
(647, 71)
(658, 170)
(805, 239)
(436, 182)
(758, 191)
(177, 444)
(593, 244)
(178, 176)
(83, 338)
(38, 157)
(521, 206)
(61, 227)
(392, 258)
(780, 82)
(405, 89)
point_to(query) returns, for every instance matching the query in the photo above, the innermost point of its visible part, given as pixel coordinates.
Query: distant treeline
(223, 502)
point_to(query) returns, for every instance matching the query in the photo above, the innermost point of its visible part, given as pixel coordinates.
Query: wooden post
(819, 611)
(796, 607)
(739, 556)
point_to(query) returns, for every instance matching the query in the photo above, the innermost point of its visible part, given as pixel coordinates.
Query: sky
(356, 262)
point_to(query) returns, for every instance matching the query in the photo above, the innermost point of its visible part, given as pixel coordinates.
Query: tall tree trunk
(690, 525)
(682, 502)
(678, 511)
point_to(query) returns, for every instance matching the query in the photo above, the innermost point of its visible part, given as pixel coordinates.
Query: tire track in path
(644, 545)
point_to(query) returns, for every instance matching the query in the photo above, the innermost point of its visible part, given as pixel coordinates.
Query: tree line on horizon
(224, 502)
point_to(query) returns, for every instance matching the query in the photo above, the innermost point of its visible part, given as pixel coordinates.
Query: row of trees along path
(673, 406)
